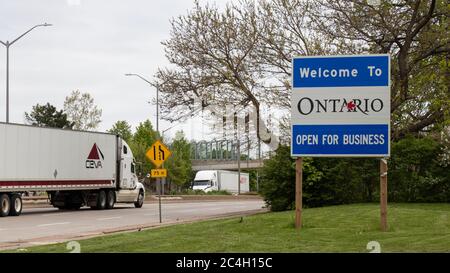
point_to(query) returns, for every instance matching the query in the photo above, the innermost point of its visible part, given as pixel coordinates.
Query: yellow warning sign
(158, 153)
(158, 173)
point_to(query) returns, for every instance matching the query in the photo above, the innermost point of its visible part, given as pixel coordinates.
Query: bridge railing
(214, 150)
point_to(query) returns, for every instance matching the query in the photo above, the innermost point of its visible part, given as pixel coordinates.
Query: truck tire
(110, 199)
(16, 205)
(140, 200)
(5, 205)
(101, 200)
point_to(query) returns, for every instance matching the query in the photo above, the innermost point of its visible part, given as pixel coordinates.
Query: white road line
(109, 218)
(53, 224)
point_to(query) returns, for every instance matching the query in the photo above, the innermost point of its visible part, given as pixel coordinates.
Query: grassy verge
(348, 228)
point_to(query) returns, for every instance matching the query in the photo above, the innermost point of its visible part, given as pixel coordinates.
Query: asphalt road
(49, 225)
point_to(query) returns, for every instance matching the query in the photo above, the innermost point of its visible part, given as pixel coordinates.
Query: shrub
(414, 175)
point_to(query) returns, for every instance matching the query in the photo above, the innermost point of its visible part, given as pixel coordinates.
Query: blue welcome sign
(340, 106)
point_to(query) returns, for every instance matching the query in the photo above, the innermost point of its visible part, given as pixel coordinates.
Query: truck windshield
(201, 183)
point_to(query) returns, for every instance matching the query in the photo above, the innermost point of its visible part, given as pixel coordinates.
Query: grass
(346, 228)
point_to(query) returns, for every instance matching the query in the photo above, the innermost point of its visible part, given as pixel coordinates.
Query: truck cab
(128, 178)
(205, 181)
(222, 180)
(130, 190)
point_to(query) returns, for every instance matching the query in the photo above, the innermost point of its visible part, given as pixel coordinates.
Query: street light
(7, 44)
(157, 129)
(157, 97)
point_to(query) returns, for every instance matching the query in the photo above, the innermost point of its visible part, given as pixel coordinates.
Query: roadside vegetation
(345, 228)
(418, 172)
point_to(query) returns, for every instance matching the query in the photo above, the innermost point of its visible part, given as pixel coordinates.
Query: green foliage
(179, 165)
(47, 115)
(343, 181)
(253, 178)
(141, 141)
(123, 129)
(82, 111)
(278, 180)
(416, 174)
(145, 134)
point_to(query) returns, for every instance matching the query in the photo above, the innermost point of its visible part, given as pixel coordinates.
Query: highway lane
(48, 225)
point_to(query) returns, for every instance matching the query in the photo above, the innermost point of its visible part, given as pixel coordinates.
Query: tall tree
(145, 133)
(179, 165)
(142, 139)
(47, 115)
(213, 54)
(123, 129)
(241, 55)
(81, 109)
(417, 36)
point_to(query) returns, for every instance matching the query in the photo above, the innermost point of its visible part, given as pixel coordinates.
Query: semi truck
(221, 180)
(75, 168)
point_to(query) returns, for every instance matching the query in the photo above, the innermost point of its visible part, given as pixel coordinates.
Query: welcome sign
(340, 106)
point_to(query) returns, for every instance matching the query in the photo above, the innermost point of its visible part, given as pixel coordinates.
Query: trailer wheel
(140, 200)
(110, 199)
(5, 205)
(16, 205)
(101, 200)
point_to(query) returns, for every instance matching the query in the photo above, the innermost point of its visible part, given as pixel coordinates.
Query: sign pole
(159, 200)
(383, 194)
(158, 153)
(298, 192)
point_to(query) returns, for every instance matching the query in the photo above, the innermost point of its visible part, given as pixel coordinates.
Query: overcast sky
(90, 46)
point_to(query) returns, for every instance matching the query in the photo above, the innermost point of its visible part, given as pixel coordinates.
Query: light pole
(157, 97)
(7, 44)
(157, 129)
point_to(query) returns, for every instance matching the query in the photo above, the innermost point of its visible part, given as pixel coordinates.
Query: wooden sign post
(383, 194)
(298, 192)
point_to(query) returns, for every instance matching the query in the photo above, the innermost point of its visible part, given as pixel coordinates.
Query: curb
(43, 200)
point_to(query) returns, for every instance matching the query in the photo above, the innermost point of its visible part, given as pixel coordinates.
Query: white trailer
(217, 180)
(75, 168)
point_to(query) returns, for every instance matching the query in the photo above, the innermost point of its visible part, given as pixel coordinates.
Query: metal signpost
(158, 153)
(340, 107)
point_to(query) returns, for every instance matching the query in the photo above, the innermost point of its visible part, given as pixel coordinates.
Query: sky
(90, 47)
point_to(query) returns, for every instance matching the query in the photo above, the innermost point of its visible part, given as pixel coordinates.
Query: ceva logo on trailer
(93, 161)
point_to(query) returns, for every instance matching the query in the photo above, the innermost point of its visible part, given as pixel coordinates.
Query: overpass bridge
(201, 165)
(221, 155)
